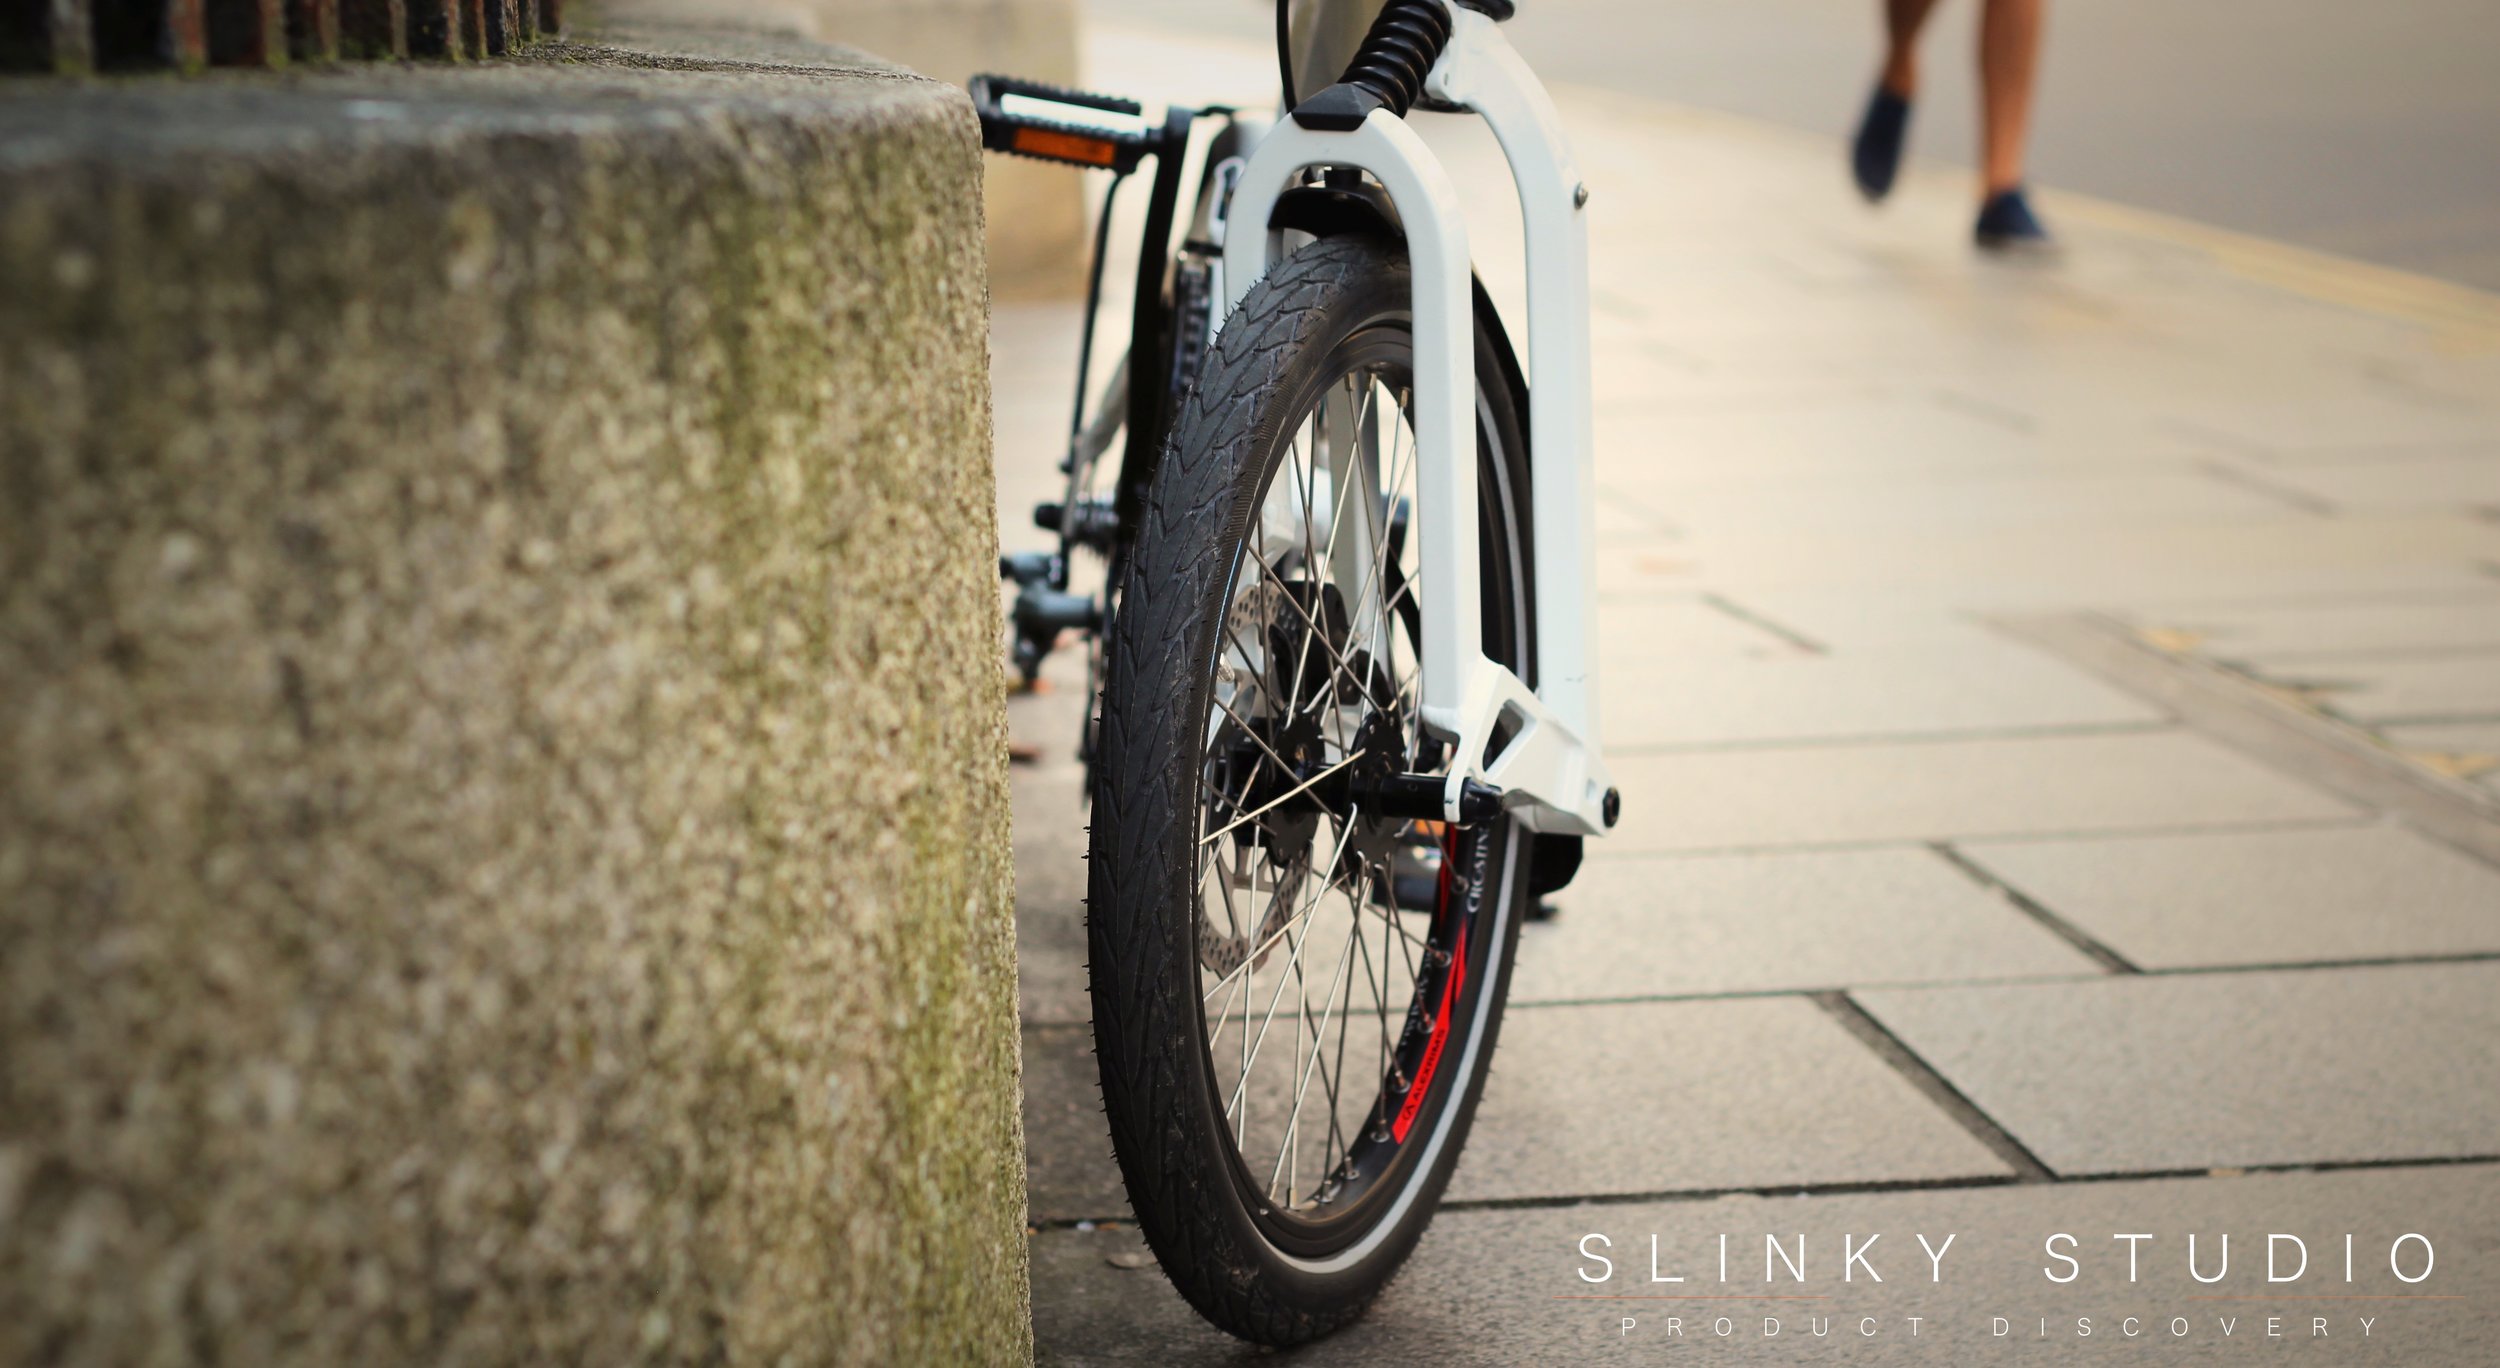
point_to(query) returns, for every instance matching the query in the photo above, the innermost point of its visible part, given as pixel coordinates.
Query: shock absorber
(1388, 69)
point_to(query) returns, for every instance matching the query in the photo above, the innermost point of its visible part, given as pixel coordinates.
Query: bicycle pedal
(1028, 568)
(1042, 613)
(1055, 124)
(1092, 522)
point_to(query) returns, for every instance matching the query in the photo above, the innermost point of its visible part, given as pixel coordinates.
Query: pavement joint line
(1883, 1185)
(2346, 657)
(1660, 525)
(2300, 500)
(2031, 907)
(2424, 719)
(2303, 743)
(1601, 852)
(2305, 966)
(1988, 411)
(2195, 431)
(1934, 1086)
(1910, 738)
(1879, 1186)
(1810, 992)
(2444, 595)
(1802, 991)
(1764, 622)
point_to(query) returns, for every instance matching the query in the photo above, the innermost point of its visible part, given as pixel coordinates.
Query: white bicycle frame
(1549, 770)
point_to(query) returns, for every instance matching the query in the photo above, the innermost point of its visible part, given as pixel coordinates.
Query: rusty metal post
(373, 30)
(149, 33)
(503, 25)
(312, 30)
(434, 28)
(181, 38)
(47, 35)
(73, 37)
(246, 32)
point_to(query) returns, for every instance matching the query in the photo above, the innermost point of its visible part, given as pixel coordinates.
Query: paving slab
(1658, 926)
(1646, 446)
(1977, 686)
(2396, 453)
(2385, 689)
(1938, 790)
(2452, 737)
(1682, 1096)
(1504, 1287)
(2104, 564)
(2260, 897)
(2286, 633)
(1069, 1174)
(1842, 616)
(2156, 1073)
(2466, 480)
(1047, 794)
(1626, 1098)
(2063, 495)
(2466, 750)
(1848, 619)
(1619, 520)
(2293, 421)
(1631, 632)
(1049, 841)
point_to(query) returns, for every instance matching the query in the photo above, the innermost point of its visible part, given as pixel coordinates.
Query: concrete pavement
(1923, 918)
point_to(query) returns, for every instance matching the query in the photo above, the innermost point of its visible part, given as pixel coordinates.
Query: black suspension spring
(1388, 70)
(1404, 41)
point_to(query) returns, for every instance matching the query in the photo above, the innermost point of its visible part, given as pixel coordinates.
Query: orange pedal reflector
(1043, 142)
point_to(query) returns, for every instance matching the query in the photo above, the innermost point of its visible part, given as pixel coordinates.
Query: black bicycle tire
(1171, 1150)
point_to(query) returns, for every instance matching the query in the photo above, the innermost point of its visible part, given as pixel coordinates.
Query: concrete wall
(1038, 213)
(502, 790)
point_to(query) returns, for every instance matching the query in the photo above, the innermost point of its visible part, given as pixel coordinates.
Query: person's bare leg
(1902, 21)
(1875, 153)
(2009, 59)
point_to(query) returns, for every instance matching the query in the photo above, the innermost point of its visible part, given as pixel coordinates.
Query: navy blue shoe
(2006, 224)
(1875, 157)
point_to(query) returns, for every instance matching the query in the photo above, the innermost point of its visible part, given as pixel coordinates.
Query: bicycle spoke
(1286, 796)
(1293, 1119)
(1293, 955)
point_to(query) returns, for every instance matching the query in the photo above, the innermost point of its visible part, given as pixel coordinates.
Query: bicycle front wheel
(1295, 1000)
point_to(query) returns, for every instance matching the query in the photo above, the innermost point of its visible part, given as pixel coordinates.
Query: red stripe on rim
(1450, 986)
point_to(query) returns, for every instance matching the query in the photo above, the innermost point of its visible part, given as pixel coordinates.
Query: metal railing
(74, 37)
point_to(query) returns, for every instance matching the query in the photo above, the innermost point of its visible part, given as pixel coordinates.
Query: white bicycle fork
(1549, 769)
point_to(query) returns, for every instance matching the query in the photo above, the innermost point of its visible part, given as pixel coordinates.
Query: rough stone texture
(503, 848)
(1037, 212)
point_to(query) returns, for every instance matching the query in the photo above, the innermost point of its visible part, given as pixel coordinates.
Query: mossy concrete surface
(503, 848)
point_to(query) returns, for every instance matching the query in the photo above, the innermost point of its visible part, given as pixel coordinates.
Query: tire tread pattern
(1144, 810)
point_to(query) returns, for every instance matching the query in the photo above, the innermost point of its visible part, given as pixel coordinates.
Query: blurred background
(2366, 130)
